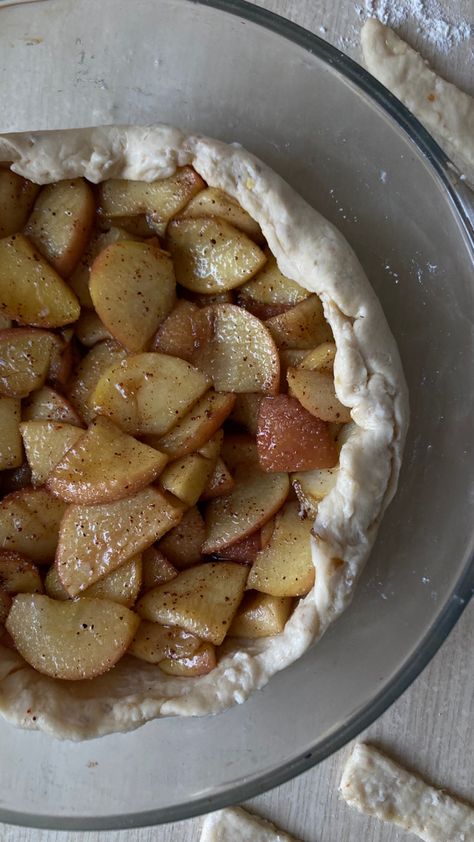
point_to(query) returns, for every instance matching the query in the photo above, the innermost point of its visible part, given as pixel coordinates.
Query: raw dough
(236, 825)
(369, 379)
(443, 109)
(376, 785)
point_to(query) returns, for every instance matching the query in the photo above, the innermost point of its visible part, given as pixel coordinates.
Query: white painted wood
(431, 727)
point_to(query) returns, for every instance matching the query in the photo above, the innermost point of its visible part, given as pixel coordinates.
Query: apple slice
(220, 482)
(201, 663)
(271, 288)
(122, 585)
(302, 327)
(214, 202)
(186, 330)
(212, 448)
(261, 615)
(202, 600)
(148, 393)
(312, 486)
(285, 567)
(29, 523)
(31, 291)
(320, 359)
(183, 544)
(136, 227)
(156, 569)
(90, 330)
(197, 427)
(159, 200)
(144, 291)
(71, 640)
(154, 642)
(47, 404)
(289, 358)
(210, 255)
(45, 443)
(25, 357)
(5, 605)
(239, 449)
(97, 362)
(246, 411)
(243, 552)
(61, 223)
(315, 391)
(254, 499)
(241, 355)
(104, 465)
(187, 477)
(95, 540)
(17, 196)
(18, 574)
(79, 280)
(11, 451)
(289, 438)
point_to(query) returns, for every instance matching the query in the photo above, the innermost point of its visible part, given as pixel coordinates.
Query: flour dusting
(434, 23)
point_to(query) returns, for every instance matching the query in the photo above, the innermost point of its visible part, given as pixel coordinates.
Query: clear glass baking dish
(233, 71)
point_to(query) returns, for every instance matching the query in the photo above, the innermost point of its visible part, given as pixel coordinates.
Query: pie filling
(169, 425)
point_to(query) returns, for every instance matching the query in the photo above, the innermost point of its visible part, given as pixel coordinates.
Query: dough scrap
(443, 109)
(368, 378)
(376, 785)
(236, 825)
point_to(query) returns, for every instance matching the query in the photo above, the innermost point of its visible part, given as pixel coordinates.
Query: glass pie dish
(234, 72)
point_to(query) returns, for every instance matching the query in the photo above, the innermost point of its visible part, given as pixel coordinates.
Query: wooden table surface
(431, 727)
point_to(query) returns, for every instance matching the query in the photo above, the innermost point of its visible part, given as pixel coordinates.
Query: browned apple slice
(241, 356)
(122, 585)
(302, 327)
(210, 255)
(183, 544)
(104, 465)
(312, 486)
(197, 427)
(289, 438)
(79, 280)
(186, 330)
(25, 356)
(254, 499)
(144, 291)
(243, 552)
(148, 393)
(99, 360)
(95, 540)
(315, 391)
(239, 449)
(11, 452)
(90, 330)
(219, 483)
(202, 600)
(159, 200)
(47, 404)
(320, 359)
(5, 605)
(201, 663)
(18, 574)
(71, 640)
(270, 287)
(31, 291)
(187, 477)
(261, 615)
(61, 223)
(17, 196)
(154, 642)
(29, 523)
(156, 569)
(246, 411)
(214, 202)
(45, 443)
(285, 566)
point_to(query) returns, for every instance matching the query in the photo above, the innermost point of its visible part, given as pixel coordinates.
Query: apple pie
(203, 415)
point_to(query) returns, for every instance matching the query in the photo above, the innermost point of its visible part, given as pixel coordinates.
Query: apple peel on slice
(289, 438)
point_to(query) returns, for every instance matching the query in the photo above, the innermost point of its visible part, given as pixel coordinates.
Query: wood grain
(431, 727)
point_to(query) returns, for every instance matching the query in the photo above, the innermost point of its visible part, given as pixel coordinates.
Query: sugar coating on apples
(197, 385)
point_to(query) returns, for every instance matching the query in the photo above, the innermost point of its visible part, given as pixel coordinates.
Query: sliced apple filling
(170, 425)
